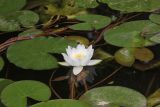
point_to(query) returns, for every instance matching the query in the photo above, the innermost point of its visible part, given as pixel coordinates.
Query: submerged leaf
(30, 32)
(36, 53)
(17, 93)
(1, 63)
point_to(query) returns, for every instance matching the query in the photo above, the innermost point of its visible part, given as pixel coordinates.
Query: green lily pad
(155, 38)
(3, 84)
(1, 63)
(86, 3)
(8, 6)
(130, 34)
(121, 96)
(91, 22)
(8, 25)
(30, 32)
(154, 99)
(127, 5)
(36, 53)
(17, 93)
(155, 18)
(62, 103)
(125, 56)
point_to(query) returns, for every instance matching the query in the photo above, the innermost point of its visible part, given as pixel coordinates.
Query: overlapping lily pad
(86, 3)
(37, 53)
(62, 103)
(16, 93)
(91, 22)
(104, 96)
(8, 6)
(133, 5)
(155, 18)
(131, 34)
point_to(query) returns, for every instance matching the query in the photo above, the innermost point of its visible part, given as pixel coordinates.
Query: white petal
(77, 70)
(67, 59)
(94, 62)
(64, 63)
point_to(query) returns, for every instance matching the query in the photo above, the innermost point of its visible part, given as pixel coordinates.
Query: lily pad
(17, 93)
(86, 3)
(155, 38)
(130, 34)
(154, 99)
(155, 18)
(62, 103)
(8, 6)
(143, 54)
(36, 53)
(31, 32)
(8, 25)
(3, 84)
(125, 56)
(121, 96)
(127, 5)
(91, 22)
(1, 63)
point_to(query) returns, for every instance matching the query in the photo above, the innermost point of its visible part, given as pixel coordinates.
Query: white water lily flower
(79, 57)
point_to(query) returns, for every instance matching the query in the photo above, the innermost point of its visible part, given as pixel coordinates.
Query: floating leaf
(155, 38)
(121, 96)
(125, 56)
(8, 6)
(143, 54)
(86, 3)
(127, 5)
(36, 53)
(154, 99)
(26, 18)
(91, 22)
(62, 103)
(17, 93)
(3, 84)
(155, 18)
(101, 54)
(1, 63)
(130, 34)
(31, 32)
(79, 39)
(8, 25)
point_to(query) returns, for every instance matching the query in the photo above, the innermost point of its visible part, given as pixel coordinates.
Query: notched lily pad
(91, 22)
(62, 103)
(104, 96)
(36, 53)
(17, 93)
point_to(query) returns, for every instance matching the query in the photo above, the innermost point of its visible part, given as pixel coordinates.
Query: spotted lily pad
(130, 34)
(17, 93)
(104, 96)
(62, 103)
(37, 53)
(91, 22)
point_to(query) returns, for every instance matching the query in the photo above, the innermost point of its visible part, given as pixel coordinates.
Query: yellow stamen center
(78, 55)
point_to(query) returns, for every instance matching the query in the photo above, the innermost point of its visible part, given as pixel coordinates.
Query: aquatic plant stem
(51, 86)
(85, 85)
